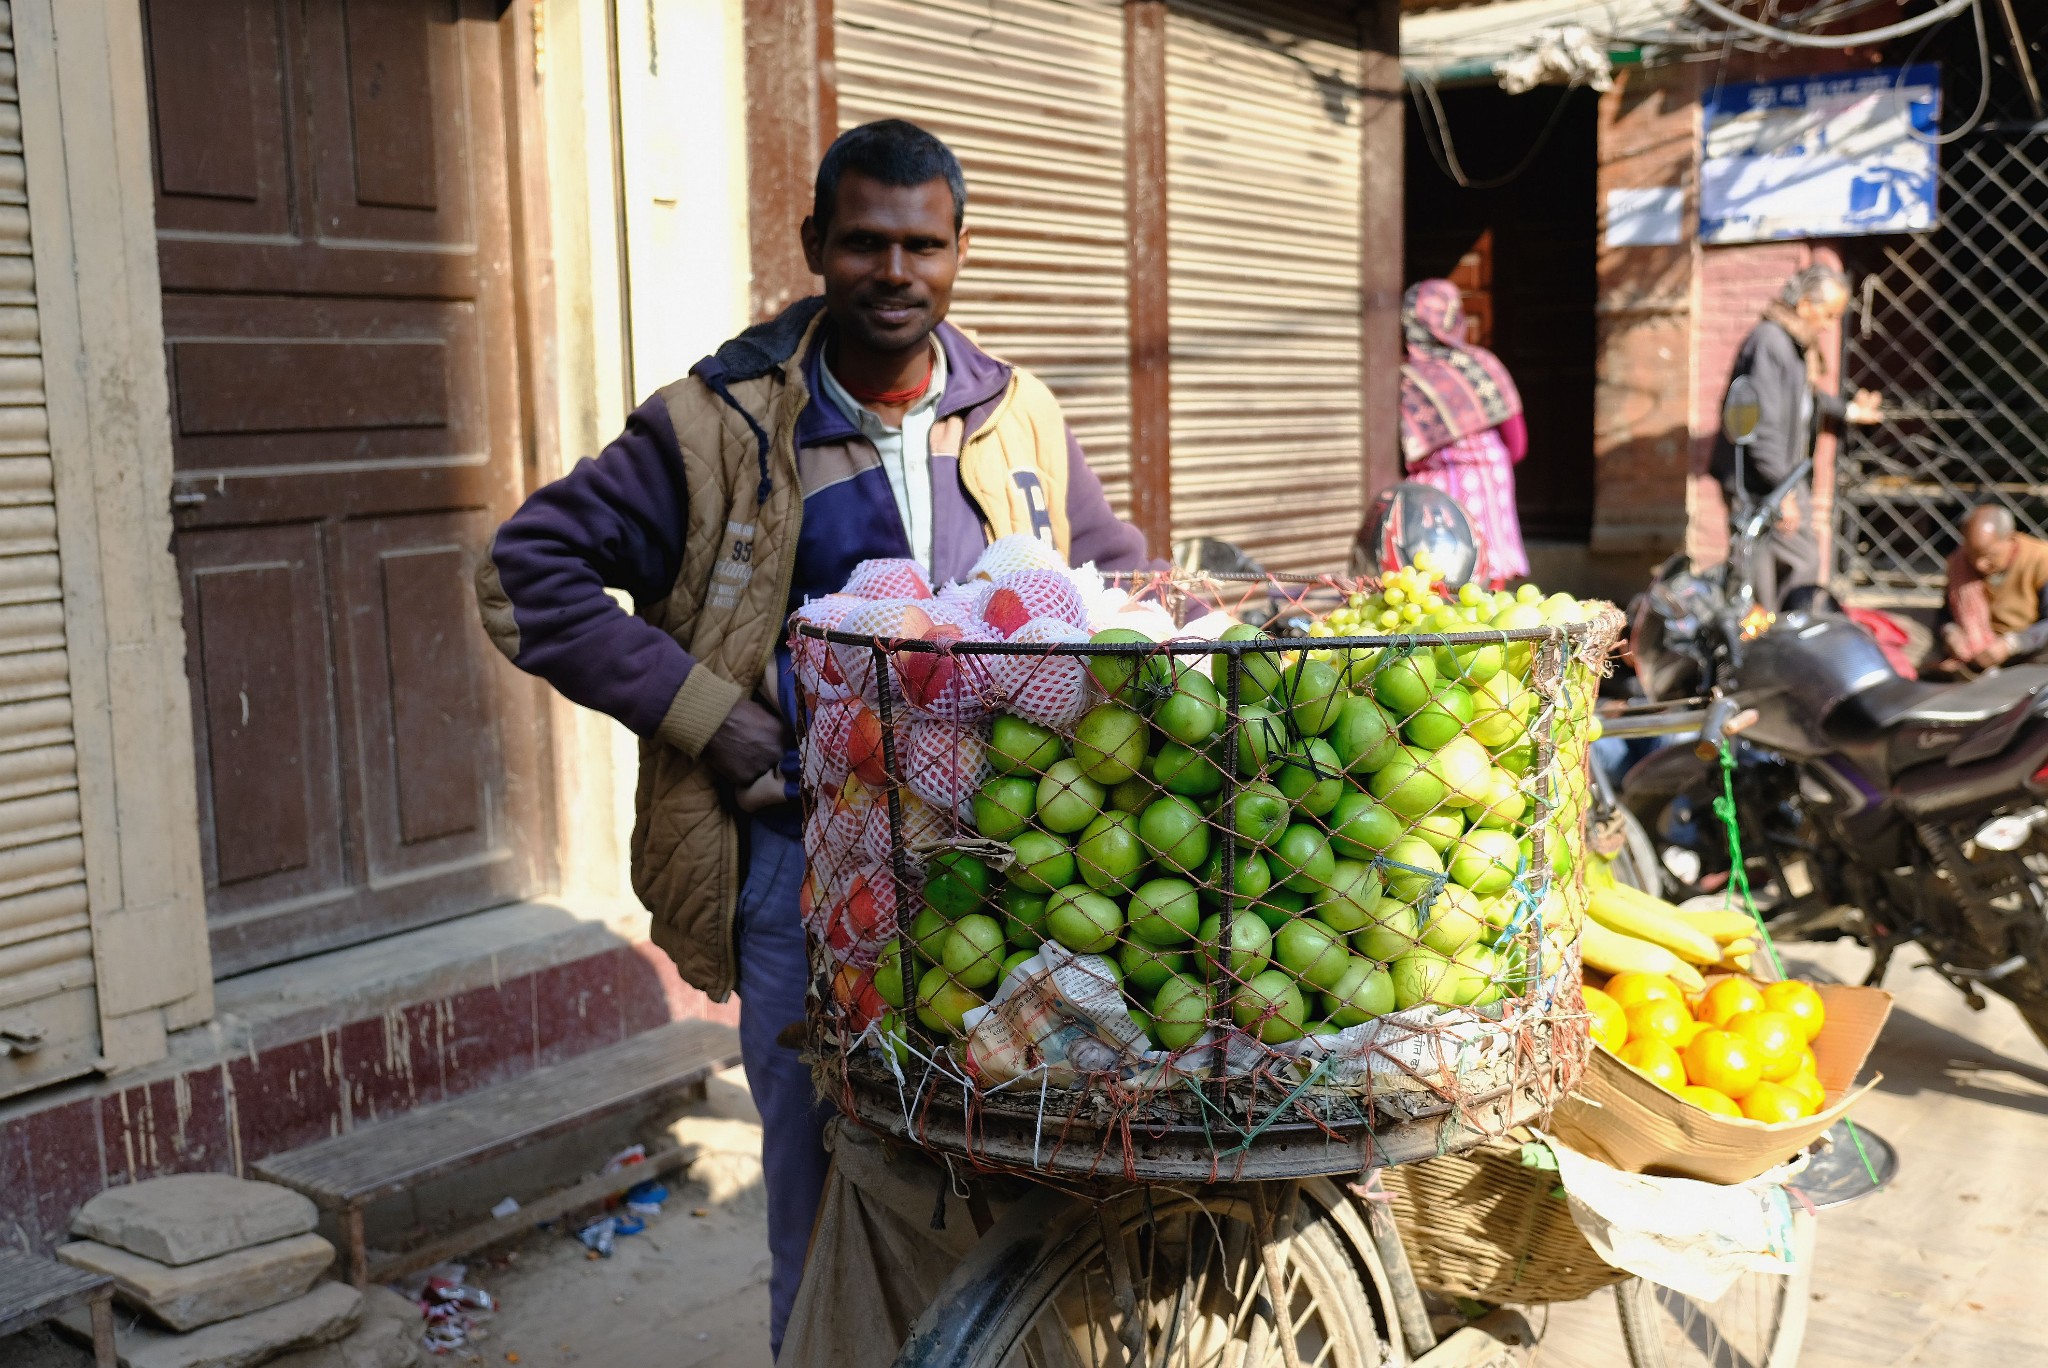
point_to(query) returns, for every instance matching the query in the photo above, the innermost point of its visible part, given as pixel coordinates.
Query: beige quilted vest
(727, 610)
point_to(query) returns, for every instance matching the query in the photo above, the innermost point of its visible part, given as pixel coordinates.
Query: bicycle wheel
(1164, 1278)
(1757, 1323)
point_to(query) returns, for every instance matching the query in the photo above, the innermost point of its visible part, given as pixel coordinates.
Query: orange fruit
(1731, 997)
(1656, 1021)
(1707, 1099)
(1773, 1103)
(1686, 1036)
(1632, 986)
(1776, 1039)
(1608, 1025)
(1656, 1059)
(1812, 1093)
(1800, 1002)
(1723, 1061)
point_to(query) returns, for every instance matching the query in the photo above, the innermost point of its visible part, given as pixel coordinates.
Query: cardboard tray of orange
(1623, 1118)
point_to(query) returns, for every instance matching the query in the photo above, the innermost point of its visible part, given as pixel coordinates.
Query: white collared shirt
(906, 451)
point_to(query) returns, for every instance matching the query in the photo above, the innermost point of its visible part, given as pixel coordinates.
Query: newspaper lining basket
(1171, 904)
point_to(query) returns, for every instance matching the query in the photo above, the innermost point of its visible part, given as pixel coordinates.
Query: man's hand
(1866, 408)
(746, 745)
(1788, 517)
(1997, 653)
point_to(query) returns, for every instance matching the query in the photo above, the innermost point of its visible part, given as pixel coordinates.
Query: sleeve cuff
(699, 708)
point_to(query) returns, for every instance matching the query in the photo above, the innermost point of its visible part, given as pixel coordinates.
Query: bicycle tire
(1664, 1329)
(1051, 1245)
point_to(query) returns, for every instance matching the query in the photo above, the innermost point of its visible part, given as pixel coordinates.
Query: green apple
(955, 883)
(1353, 896)
(1083, 920)
(1121, 674)
(1176, 833)
(1109, 853)
(889, 974)
(1419, 977)
(1023, 916)
(1189, 773)
(1404, 681)
(1019, 747)
(1043, 862)
(1165, 911)
(1406, 785)
(1251, 876)
(1309, 776)
(1260, 737)
(1109, 742)
(1147, 967)
(1310, 951)
(1310, 695)
(1364, 737)
(928, 932)
(1003, 806)
(1067, 798)
(1271, 1003)
(941, 1002)
(973, 953)
(1258, 672)
(1258, 813)
(1279, 907)
(1504, 805)
(1452, 920)
(1136, 793)
(1180, 1011)
(1396, 929)
(1250, 943)
(1465, 770)
(1302, 859)
(1469, 665)
(1413, 868)
(1447, 714)
(1478, 976)
(1485, 860)
(1517, 617)
(1361, 826)
(1193, 711)
(1501, 708)
(1363, 991)
(1439, 830)
(1013, 960)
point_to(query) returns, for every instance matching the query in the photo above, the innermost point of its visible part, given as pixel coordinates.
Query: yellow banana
(1614, 953)
(1723, 926)
(1637, 916)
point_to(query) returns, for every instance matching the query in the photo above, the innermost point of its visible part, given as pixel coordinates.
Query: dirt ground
(1948, 1266)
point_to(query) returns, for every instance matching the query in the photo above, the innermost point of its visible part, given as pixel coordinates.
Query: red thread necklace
(896, 398)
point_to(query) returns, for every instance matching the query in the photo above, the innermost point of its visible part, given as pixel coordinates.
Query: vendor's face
(1826, 311)
(1989, 553)
(888, 256)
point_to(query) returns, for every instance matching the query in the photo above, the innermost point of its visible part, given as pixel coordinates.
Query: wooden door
(333, 227)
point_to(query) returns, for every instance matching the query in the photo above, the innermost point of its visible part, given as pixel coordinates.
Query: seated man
(1997, 611)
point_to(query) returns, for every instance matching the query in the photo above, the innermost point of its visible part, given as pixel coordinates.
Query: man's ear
(965, 234)
(814, 245)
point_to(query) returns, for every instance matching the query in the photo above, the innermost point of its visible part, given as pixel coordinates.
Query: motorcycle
(1867, 805)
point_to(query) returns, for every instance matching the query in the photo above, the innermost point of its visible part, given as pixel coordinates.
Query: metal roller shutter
(1029, 93)
(49, 1023)
(1264, 217)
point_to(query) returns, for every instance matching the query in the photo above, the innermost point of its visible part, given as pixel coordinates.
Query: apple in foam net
(926, 675)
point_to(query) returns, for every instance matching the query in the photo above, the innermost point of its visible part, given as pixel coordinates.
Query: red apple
(864, 753)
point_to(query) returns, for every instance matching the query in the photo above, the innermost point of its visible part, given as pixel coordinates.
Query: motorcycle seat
(1908, 702)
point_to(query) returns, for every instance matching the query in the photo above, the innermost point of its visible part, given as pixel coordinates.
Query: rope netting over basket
(1095, 861)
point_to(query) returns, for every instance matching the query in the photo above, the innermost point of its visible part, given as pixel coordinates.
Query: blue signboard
(1821, 156)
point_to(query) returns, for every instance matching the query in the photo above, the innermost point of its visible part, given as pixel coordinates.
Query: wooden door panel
(345, 401)
(269, 382)
(269, 769)
(391, 139)
(217, 105)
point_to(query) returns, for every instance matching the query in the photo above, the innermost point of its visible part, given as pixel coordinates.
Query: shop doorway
(1522, 251)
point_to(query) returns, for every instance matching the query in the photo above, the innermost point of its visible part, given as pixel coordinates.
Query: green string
(1738, 883)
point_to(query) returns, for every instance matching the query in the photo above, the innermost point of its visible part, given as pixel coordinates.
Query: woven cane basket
(1483, 1225)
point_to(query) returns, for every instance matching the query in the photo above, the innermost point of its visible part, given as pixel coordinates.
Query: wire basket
(1489, 1225)
(1188, 897)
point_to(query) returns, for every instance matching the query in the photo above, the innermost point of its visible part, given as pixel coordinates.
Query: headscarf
(1449, 388)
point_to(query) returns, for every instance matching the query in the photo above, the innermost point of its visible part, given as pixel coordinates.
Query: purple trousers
(774, 970)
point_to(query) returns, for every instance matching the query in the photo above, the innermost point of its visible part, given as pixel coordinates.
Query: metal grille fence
(1952, 326)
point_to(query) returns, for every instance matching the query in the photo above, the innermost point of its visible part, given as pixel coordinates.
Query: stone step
(186, 1217)
(326, 1314)
(187, 1296)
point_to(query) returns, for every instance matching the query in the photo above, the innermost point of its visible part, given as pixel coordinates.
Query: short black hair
(894, 152)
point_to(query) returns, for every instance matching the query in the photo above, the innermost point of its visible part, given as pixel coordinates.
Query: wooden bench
(345, 1174)
(34, 1289)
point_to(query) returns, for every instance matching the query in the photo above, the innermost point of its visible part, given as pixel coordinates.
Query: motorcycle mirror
(1741, 411)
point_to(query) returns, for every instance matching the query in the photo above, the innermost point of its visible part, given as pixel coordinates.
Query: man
(856, 425)
(1782, 358)
(1997, 611)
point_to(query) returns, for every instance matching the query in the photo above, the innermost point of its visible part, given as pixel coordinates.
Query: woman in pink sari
(1461, 424)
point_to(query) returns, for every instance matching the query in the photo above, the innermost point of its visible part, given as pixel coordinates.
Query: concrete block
(388, 1336)
(322, 1316)
(187, 1296)
(187, 1217)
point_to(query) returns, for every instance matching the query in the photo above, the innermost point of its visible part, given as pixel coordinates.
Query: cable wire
(1445, 153)
(1983, 89)
(1867, 38)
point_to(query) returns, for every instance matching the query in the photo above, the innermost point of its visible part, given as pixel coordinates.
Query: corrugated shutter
(1263, 203)
(1029, 93)
(49, 1022)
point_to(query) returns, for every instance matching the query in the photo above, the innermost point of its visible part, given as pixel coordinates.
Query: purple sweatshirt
(618, 522)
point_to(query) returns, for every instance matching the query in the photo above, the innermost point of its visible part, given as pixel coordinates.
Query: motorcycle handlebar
(1767, 511)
